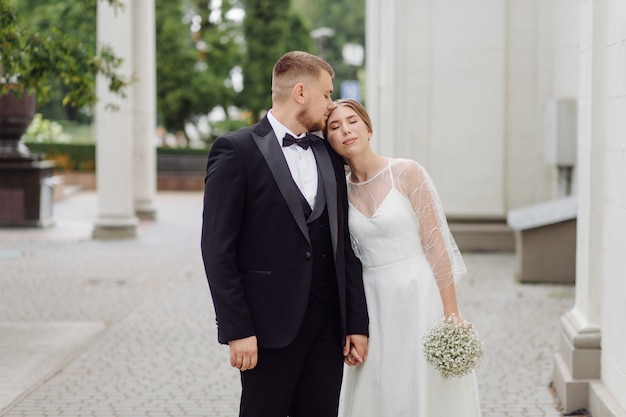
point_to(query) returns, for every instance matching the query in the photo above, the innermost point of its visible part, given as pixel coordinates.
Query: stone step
(483, 236)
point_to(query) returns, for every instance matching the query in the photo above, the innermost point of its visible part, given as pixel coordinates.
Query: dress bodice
(397, 215)
(389, 235)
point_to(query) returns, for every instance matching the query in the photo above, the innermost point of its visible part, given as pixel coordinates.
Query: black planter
(26, 184)
(16, 113)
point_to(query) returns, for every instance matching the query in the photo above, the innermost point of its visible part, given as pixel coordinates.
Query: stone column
(436, 94)
(144, 109)
(113, 131)
(578, 359)
(379, 36)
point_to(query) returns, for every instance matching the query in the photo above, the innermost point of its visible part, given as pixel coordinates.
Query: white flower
(453, 347)
(43, 130)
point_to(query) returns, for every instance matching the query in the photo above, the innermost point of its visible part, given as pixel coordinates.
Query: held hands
(244, 353)
(355, 350)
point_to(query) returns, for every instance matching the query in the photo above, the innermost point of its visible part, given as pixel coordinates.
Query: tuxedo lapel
(327, 173)
(268, 145)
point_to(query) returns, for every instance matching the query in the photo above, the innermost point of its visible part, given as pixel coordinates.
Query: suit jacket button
(307, 255)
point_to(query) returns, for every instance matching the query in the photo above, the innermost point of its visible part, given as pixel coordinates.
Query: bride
(410, 266)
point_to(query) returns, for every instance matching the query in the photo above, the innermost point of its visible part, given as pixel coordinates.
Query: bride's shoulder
(409, 174)
(406, 168)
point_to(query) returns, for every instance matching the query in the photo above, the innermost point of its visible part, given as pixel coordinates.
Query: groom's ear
(299, 93)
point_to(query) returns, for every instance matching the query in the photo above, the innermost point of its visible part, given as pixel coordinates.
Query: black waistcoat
(324, 277)
(324, 281)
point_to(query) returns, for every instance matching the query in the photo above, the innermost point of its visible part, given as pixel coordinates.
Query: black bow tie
(303, 142)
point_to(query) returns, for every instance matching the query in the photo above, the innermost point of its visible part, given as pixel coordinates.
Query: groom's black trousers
(303, 379)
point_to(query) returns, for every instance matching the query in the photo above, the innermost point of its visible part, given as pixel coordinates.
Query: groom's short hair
(295, 67)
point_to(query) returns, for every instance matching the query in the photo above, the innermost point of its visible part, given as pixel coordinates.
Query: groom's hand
(355, 349)
(244, 353)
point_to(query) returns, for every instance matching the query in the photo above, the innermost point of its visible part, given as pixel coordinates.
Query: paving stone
(158, 353)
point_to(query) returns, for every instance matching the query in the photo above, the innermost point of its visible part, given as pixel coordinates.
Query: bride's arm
(439, 245)
(448, 299)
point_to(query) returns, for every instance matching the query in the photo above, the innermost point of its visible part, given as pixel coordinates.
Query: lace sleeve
(439, 245)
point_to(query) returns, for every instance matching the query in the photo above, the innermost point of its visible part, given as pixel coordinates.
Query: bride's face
(347, 133)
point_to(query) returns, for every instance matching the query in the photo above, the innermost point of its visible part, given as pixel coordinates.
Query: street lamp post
(321, 36)
(353, 56)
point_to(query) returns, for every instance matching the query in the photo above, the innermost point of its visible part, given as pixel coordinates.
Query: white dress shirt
(301, 162)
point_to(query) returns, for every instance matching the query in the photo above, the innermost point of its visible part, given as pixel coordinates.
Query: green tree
(77, 20)
(220, 44)
(45, 56)
(197, 48)
(175, 66)
(193, 68)
(270, 30)
(347, 19)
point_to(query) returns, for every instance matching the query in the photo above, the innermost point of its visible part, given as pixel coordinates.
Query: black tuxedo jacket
(255, 243)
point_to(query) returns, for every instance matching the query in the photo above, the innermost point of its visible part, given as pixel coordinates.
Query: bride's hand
(456, 318)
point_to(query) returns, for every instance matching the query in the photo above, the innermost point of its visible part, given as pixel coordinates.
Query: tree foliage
(175, 66)
(193, 67)
(270, 30)
(76, 20)
(34, 54)
(199, 46)
(347, 19)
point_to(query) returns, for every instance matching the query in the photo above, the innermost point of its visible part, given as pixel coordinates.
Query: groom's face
(319, 102)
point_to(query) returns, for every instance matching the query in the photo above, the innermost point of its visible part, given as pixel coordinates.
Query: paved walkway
(126, 328)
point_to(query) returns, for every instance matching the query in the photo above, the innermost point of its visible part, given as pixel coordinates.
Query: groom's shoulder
(261, 128)
(246, 131)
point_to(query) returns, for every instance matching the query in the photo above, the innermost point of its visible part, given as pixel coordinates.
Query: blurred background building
(514, 103)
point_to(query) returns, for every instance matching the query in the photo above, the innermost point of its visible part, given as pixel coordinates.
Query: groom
(286, 286)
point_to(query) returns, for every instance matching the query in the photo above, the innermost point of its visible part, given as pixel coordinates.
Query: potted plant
(28, 62)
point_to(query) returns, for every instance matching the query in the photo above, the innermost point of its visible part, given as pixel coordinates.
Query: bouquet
(453, 347)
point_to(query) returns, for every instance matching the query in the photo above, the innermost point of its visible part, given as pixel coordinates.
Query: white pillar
(436, 93)
(380, 61)
(579, 358)
(144, 109)
(114, 132)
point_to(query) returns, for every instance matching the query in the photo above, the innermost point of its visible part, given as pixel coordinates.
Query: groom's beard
(310, 123)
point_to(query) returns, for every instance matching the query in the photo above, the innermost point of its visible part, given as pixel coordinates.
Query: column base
(111, 229)
(577, 363)
(145, 210)
(146, 214)
(572, 394)
(602, 403)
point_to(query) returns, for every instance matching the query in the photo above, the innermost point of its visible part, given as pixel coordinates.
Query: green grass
(78, 133)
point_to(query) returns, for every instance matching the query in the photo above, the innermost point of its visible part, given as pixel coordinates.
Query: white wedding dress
(400, 234)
